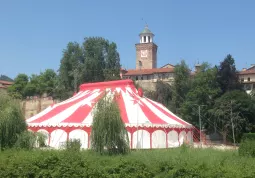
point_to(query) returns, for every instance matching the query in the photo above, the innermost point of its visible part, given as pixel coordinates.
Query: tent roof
(135, 110)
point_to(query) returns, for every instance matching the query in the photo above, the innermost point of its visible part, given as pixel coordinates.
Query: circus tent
(149, 123)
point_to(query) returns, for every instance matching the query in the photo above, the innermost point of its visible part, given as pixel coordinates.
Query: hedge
(180, 162)
(247, 146)
(250, 136)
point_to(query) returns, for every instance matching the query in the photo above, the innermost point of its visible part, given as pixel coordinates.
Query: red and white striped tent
(149, 123)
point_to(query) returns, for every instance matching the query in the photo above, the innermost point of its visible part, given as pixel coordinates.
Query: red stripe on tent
(152, 117)
(167, 113)
(121, 103)
(83, 111)
(58, 109)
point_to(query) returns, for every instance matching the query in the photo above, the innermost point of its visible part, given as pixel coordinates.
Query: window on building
(148, 77)
(149, 39)
(141, 77)
(136, 78)
(163, 76)
(248, 79)
(242, 79)
(144, 39)
(140, 64)
(247, 86)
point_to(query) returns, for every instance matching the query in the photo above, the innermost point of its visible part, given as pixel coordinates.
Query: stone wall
(34, 106)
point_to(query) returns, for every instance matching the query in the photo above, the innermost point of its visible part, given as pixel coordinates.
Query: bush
(250, 136)
(26, 140)
(12, 121)
(247, 148)
(142, 164)
(73, 145)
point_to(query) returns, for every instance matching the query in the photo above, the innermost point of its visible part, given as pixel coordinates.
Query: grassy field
(179, 162)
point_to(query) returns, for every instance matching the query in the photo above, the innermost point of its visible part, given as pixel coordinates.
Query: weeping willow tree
(12, 122)
(109, 134)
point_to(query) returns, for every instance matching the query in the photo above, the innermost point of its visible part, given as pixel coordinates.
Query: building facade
(247, 78)
(4, 85)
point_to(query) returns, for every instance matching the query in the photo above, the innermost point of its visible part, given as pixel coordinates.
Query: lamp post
(137, 126)
(200, 122)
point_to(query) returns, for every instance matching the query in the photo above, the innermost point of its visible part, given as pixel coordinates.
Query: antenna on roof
(145, 22)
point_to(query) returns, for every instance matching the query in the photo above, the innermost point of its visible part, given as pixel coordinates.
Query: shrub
(12, 122)
(247, 148)
(41, 137)
(73, 145)
(146, 163)
(26, 140)
(250, 136)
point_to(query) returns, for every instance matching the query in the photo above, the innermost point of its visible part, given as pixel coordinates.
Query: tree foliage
(35, 85)
(95, 60)
(108, 134)
(162, 94)
(12, 122)
(181, 85)
(204, 90)
(234, 107)
(102, 60)
(17, 90)
(70, 69)
(227, 75)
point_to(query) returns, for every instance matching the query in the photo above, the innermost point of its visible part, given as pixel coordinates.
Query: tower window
(144, 39)
(149, 39)
(140, 64)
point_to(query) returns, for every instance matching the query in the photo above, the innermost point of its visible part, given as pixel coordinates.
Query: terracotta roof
(149, 71)
(248, 71)
(6, 82)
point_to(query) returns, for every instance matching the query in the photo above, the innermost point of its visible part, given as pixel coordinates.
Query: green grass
(180, 162)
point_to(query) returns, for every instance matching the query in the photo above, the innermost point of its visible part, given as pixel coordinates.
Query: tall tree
(12, 122)
(47, 82)
(108, 130)
(227, 75)
(112, 63)
(181, 85)
(95, 61)
(234, 107)
(102, 61)
(95, 50)
(204, 90)
(17, 90)
(70, 70)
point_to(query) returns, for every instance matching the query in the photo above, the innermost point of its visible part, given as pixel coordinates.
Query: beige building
(4, 85)
(247, 78)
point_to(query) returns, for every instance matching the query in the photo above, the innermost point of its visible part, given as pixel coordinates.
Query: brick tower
(146, 51)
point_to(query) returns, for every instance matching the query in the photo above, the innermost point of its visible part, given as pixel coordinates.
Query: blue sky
(33, 34)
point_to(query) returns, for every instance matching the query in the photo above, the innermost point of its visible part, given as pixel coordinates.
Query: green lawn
(179, 162)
